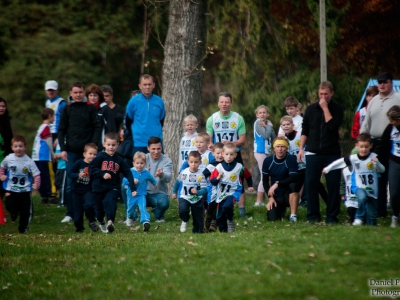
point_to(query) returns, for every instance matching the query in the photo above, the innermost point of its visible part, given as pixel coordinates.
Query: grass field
(260, 260)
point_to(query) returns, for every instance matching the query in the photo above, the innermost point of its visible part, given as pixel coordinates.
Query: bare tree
(184, 52)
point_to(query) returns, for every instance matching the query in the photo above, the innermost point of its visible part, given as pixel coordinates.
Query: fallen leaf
(311, 255)
(346, 253)
(388, 238)
(136, 228)
(157, 227)
(191, 243)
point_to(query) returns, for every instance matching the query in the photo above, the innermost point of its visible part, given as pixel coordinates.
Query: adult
(57, 104)
(160, 166)
(114, 115)
(375, 124)
(6, 133)
(79, 125)
(281, 168)
(145, 115)
(95, 97)
(320, 132)
(226, 126)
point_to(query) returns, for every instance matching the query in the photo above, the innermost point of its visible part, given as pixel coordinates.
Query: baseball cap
(384, 76)
(51, 85)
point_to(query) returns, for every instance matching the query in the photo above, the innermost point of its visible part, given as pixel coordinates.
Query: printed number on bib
(225, 136)
(184, 155)
(187, 189)
(21, 180)
(367, 179)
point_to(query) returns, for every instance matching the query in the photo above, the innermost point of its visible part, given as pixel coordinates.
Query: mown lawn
(260, 260)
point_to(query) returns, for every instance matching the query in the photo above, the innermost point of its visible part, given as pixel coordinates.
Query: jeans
(225, 213)
(72, 159)
(159, 202)
(366, 203)
(106, 204)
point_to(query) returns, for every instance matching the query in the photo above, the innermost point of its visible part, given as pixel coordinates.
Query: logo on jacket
(233, 125)
(216, 125)
(192, 178)
(233, 177)
(110, 166)
(370, 165)
(225, 125)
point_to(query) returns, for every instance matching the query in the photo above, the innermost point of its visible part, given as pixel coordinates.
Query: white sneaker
(146, 226)
(293, 219)
(129, 222)
(231, 226)
(66, 219)
(110, 226)
(259, 204)
(357, 222)
(183, 226)
(103, 228)
(394, 223)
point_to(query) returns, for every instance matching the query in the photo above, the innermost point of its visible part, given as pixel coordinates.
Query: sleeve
(126, 171)
(209, 125)
(337, 117)
(383, 149)
(74, 173)
(34, 170)
(355, 129)
(61, 106)
(305, 128)
(167, 171)
(265, 132)
(151, 178)
(95, 167)
(241, 126)
(162, 114)
(213, 177)
(45, 134)
(337, 164)
(184, 166)
(248, 177)
(202, 192)
(96, 127)
(342, 186)
(265, 175)
(207, 172)
(119, 116)
(62, 128)
(176, 187)
(379, 167)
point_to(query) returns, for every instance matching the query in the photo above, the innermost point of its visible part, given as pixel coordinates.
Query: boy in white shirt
(292, 109)
(188, 142)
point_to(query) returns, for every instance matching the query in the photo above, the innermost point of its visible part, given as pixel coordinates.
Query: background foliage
(262, 51)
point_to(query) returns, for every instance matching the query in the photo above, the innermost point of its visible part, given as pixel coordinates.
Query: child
(359, 117)
(187, 189)
(105, 169)
(226, 177)
(60, 178)
(350, 200)
(82, 195)
(42, 155)
(292, 109)
(211, 218)
(18, 171)
(188, 142)
(293, 137)
(202, 140)
(263, 135)
(364, 178)
(390, 147)
(141, 176)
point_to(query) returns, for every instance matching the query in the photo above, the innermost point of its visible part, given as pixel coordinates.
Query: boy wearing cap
(56, 103)
(375, 124)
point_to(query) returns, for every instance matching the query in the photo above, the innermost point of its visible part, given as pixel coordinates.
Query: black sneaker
(44, 200)
(213, 226)
(146, 227)
(54, 200)
(93, 226)
(14, 217)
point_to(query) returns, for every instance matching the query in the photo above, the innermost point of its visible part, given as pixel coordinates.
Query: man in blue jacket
(145, 115)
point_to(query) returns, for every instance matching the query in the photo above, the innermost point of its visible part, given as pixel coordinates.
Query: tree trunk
(182, 70)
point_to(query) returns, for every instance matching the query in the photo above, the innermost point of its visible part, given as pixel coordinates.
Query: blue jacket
(146, 116)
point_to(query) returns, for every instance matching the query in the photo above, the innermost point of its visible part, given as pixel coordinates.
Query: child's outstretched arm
(379, 167)
(337, 164)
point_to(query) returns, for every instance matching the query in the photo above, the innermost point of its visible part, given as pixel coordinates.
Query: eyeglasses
(383, 81)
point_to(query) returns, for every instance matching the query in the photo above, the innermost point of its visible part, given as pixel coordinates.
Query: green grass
(260, 260)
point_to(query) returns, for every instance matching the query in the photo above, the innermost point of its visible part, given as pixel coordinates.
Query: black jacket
(322, 137)
(79, 125)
